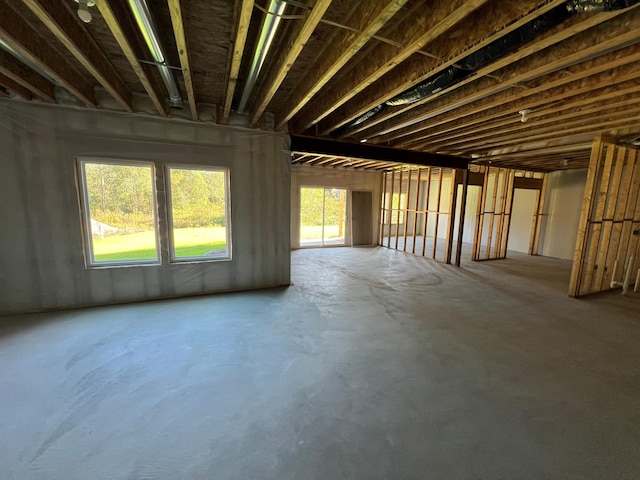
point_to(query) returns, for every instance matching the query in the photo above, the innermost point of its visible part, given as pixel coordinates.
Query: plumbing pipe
(614, 283)
(149, 31)
(626, 283)
(636, 287)
(267, 33)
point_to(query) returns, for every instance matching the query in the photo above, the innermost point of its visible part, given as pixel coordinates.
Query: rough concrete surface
(374, 365)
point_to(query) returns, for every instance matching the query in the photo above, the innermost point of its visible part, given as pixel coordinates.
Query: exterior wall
(302, 176)
(565, 190)
(41, 251)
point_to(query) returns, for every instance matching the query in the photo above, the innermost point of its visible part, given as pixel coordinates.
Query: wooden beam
(24, 39)
(363, 24)
(18, 72)
(124, 36)
(15, 87)
(319, 146)
(598, 99)
(175, 9)
(286, 57)
(594, 38)
(581, 78)
(467, 39)
(63, 25)
(426, 25)
(241, 29)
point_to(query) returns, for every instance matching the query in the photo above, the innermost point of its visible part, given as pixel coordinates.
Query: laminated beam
(63, 25)
(124, 35)
(286, 57)
(241, 30)
(24, 39)
(320, 146)
(425, 26)
(363, 24)
(18, 72)
(177, 19)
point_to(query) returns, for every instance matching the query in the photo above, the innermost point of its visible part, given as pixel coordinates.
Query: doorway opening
(322, 217)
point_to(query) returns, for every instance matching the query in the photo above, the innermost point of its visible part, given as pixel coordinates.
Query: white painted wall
(565, 190)
(41, 253)
(524, 206)
(302, 176)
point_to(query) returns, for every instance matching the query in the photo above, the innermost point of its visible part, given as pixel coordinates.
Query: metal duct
(270, 25)
(579, 6)
(492, 52)
(149, 31)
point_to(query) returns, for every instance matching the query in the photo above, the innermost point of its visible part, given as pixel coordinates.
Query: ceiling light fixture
(83, 9)
(525, 114)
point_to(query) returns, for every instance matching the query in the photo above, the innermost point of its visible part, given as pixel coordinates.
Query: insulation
(492, 52)
(41, 250)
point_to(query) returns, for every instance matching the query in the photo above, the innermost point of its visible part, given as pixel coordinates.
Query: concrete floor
(373, 365)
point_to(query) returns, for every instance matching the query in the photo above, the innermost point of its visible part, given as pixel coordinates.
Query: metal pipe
(627, 277)
(267, 33)
(149, 31)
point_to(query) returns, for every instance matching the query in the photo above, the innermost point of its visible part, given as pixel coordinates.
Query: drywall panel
(565, 190)
(41, 253)
(302, 176)
(471, 213)
(524, 206)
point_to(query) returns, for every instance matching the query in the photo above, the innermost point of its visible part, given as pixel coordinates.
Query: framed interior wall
(609, 231)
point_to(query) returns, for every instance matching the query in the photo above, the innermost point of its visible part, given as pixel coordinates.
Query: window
(198, 213)
(121, 216)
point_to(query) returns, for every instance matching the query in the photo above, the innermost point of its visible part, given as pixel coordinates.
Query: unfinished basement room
(320, 239)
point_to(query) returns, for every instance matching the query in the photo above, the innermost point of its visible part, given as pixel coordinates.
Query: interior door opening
(322, 217)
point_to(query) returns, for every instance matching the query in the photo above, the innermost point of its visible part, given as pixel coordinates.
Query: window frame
(169, 209)
(85, 212)
(162, 212)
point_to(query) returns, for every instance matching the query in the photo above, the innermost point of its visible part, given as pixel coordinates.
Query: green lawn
(190, 242)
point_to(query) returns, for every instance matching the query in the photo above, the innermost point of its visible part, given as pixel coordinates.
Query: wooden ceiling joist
(18, 72)
(419, 68)
(555, 116)
(243, 15)
(286, 57)
(124, 36)
(177, 20)
(13, 86)
(426, 25)
(363, 24)
(575, 49)
(580, 79)
(63, 25)
(25, 40)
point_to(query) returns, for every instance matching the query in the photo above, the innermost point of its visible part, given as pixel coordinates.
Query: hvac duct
(492, 52)
(270, 25)
(149, 31)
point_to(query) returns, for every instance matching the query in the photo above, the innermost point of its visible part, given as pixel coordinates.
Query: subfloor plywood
(373, 365)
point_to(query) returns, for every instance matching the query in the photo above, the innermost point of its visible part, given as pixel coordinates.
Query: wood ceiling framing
(336, 69)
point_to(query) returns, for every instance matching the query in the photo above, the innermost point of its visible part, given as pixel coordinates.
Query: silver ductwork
(267, 33)
(149, 31)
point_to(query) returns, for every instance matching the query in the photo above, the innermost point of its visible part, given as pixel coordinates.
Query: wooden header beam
(321, 146)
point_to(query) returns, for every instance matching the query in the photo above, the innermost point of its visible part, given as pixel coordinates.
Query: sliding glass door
(322, 216)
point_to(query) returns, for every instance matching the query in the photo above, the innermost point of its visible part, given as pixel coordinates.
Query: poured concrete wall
(565, 189)
(328, 177)
(41, 249)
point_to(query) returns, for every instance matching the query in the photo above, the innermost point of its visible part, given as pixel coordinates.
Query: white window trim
(85, 214)
(169, 203)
